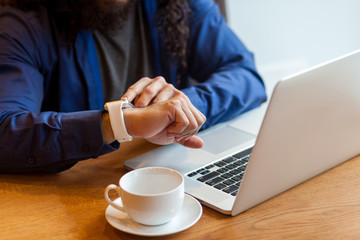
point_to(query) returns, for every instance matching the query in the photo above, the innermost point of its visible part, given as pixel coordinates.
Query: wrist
(129, 120)
(106, 129)
(117, 122)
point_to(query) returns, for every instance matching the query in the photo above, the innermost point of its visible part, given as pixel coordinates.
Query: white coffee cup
(150, 196)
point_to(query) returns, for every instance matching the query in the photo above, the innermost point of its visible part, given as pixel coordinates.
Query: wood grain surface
(70, 205)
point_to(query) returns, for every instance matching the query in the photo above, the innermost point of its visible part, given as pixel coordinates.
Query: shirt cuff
(82, 135)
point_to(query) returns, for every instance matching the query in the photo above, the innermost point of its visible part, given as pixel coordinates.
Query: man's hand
(148, 91)
(172, 121)
(162, 114)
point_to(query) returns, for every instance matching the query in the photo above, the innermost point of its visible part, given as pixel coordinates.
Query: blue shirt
(51, 95)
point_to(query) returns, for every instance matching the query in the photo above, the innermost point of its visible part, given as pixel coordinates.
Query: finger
(136, 89)
(192, 142)
(199, 116)
(150, 92)
(192, 126)
(181, 136)
(196, 118)
(166, 93)
(189, 131)
(185, 121)
(179, 123)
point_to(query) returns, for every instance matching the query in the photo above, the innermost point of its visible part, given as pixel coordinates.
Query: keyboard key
(236, 178)
(235, 172)
(227, 175)
(204, 172)
(242, 168)
(231, 189)
(229, 160)
(220, 186)
(201, 170)
(192, 174)
(228, 182)
(222, 170)
(220, 164)
(234, 193)
(210, 166)
(231, 166)
(214, 181)
(238, 163)
(208, 176)
(243, 163)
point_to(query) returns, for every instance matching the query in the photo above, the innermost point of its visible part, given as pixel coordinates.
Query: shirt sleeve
(32, 140)
(227, 82)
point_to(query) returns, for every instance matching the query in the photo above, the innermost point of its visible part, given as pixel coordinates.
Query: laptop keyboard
(226, 174)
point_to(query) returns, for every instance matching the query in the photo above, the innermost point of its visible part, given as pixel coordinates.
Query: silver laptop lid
(312, 124)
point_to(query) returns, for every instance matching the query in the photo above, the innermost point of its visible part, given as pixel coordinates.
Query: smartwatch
(115, 110)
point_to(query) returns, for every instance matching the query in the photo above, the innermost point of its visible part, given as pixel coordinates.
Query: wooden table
(70, 205)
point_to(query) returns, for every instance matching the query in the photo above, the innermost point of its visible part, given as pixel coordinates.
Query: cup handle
(118, 190)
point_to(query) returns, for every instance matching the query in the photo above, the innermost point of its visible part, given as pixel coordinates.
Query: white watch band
(117, 119)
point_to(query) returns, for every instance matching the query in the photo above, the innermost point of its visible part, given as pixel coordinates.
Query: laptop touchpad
(224, 138)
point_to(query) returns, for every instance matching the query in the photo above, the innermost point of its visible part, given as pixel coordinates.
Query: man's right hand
(149, 91)
(172, 121)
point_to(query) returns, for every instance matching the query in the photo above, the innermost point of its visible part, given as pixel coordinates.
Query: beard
(105, 15)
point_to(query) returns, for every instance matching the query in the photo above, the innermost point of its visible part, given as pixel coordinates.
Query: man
(60, 61)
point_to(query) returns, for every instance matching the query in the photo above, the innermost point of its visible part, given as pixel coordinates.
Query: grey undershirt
(124, 56)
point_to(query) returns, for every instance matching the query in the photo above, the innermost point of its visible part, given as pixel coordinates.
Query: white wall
(290, 35)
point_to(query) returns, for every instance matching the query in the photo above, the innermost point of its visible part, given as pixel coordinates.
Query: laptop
(310, 124)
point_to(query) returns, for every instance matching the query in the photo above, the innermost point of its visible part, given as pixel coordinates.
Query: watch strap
(117, 122)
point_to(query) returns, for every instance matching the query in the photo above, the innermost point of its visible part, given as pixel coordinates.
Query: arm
(227, 81)
(31, 139)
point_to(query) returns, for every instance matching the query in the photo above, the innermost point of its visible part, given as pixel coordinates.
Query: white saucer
(188, 216)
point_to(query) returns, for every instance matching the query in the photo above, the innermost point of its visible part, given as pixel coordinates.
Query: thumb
(192, 142)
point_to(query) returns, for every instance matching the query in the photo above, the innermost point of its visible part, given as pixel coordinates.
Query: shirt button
(85, 148)
(31, 160)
